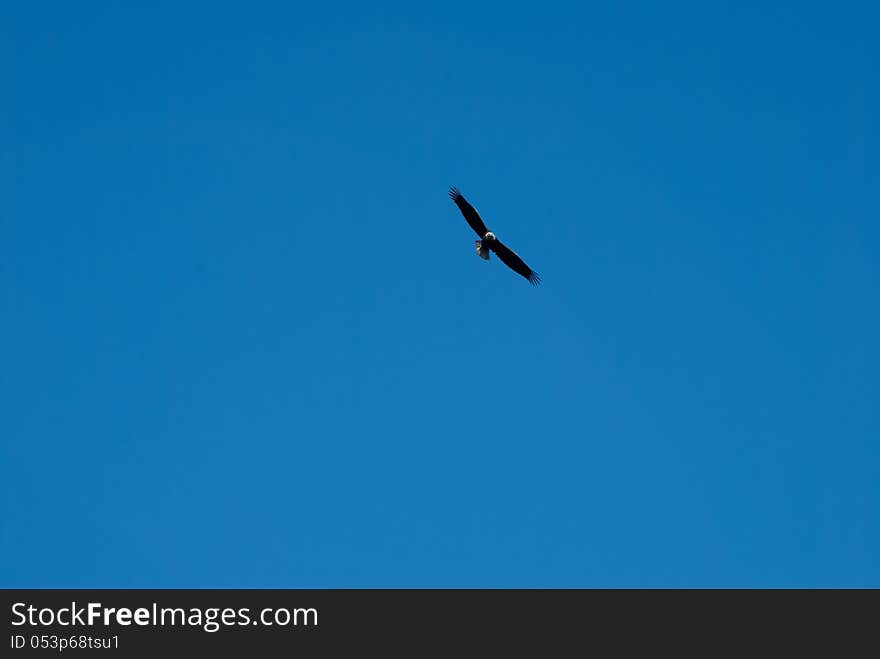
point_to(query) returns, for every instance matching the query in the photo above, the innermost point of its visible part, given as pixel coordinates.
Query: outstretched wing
(470, 213)
(512, 261)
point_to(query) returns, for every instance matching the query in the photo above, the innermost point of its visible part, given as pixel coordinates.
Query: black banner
(146, 622)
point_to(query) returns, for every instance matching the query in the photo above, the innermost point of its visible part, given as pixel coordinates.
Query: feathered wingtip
(454, 194)
(534, 278)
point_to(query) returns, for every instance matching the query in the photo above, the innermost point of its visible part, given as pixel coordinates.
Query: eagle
(489, 243)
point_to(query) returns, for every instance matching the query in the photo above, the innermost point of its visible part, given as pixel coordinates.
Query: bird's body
(483, 250)
(489, 243)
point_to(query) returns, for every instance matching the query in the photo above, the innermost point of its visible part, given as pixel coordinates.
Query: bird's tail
(482, 251)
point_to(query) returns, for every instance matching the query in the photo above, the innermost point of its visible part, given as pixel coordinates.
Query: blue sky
(247, 341)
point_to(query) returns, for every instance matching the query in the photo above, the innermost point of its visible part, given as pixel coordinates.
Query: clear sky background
(246, 340)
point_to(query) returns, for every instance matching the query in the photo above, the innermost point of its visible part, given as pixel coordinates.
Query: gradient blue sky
(247, 342)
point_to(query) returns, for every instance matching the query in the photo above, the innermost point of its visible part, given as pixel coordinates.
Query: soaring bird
(489, 243)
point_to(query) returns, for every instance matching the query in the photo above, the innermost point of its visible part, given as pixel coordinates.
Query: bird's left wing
(470, 213)
(512, 260)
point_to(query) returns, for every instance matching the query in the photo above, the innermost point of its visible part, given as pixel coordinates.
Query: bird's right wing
(512, 260)
(470, 213)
